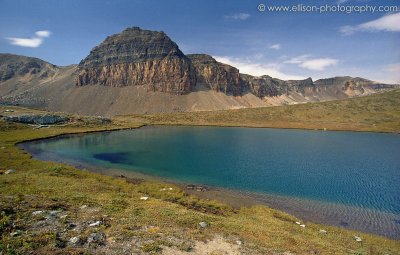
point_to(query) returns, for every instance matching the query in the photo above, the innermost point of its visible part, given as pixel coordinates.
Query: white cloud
(26, 42)
(276, 46)
(32, 42)
(257, 69)
(389, 23)
(238, 16)
(43, 33)
(319, 64)
(314, 64)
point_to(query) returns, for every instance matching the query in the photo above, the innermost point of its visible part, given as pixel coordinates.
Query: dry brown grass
(376, 113)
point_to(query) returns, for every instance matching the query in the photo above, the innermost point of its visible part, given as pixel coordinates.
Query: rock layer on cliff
(138, 57)
(215, 75)
(149, 58)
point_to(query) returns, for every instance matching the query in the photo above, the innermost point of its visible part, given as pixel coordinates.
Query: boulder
(203, 224)
(9, 171)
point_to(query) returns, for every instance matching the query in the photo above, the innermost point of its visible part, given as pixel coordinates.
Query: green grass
(170, 218)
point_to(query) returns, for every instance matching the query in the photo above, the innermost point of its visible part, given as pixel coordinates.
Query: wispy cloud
(32, 42)
(298, 60)
(276, 46)
(314, 64)
(389, 23)
(394, 68)
(238, 16)
(257, 69)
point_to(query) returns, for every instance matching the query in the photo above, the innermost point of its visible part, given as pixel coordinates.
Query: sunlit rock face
(138, 57)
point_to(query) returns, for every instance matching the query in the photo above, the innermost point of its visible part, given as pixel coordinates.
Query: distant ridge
(143, 71)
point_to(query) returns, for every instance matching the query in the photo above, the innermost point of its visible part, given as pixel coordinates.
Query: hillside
(378, 112)
(140, 71)
(20, 66)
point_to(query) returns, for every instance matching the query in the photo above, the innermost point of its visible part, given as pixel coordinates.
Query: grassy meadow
(375, 113)
(45, 205)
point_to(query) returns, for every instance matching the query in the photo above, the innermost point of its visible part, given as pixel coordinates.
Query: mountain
(142, 71)
(138, 57)
(30, 68)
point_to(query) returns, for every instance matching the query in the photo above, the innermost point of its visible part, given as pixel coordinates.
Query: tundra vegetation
(54, 208)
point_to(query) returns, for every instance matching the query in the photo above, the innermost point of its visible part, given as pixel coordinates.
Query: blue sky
(285, 45)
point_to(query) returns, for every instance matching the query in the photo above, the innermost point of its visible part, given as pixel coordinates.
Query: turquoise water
(357, 169)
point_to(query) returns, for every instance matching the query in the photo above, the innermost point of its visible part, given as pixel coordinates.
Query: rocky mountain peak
(132, 45)
(138, 57)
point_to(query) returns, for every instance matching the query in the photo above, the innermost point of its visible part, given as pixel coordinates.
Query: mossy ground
(169, 217)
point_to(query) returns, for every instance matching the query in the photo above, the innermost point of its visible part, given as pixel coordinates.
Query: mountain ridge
(143, 71)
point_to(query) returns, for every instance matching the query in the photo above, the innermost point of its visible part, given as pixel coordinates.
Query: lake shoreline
(57, 185)
(272, 127)
(325, 213)
(307, 210)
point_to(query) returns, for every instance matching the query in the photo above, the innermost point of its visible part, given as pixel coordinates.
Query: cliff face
(215, 75)
(353, 86)
(266, 86)
(152, 59)
(138, 57)
(263, 86)
(227, 79)
(35, 83)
